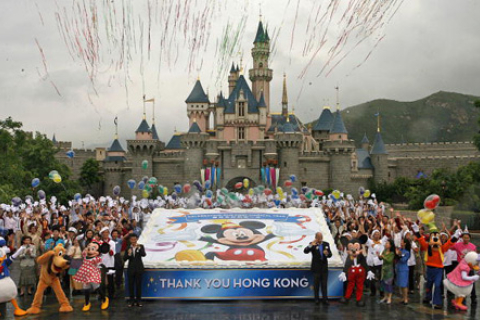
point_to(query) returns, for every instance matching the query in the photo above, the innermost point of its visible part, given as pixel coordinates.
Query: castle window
(305, 170)
(339, 137)
(285, 164)
(241, 133)
(241, 109)
(260, 65)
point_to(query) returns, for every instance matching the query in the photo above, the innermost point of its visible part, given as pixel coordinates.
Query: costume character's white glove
(370, 275)
(457, 233)
(342, 277)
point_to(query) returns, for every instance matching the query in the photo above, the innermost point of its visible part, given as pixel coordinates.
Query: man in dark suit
(135, 270)
(320, 253)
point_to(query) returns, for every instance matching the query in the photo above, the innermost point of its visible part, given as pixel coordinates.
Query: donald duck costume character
(8, 289)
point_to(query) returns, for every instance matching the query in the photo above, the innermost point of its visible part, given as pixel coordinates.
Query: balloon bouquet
(426, 215)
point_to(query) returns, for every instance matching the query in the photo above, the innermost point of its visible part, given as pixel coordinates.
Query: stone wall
(404, 150)
(409, 167)
(77, 162)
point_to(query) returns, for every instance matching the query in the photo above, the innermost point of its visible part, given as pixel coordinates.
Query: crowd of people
(397, 249)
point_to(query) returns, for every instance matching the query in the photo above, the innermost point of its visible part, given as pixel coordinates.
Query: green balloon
(148, 188)
(160, 189)
(144, 164)
(224, 191)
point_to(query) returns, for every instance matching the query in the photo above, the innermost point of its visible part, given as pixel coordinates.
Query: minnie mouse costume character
(355, 270)
(89, 274)
(242, 239)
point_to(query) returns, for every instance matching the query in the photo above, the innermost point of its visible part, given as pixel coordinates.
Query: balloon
(152, 181)
(77, 197)
(177, 188)
(145, 164)
(145, 194)
(41, 194)
(232, 196)
(336, 194)
(70, 154)
(304, 190)
(16, 201)
(251, 192)
(267, 191)
(294, 191)
(208, 201)
(148, 188)
(160, 189)
(279, 190)
(277, 202)
(35, 182)
(224, 191)
(174, 196)
(198, 185)
(425, 216)
(221, 199)
(238, 185)
(52, 174)
(116, 190)
(361, 191)
(186, 188)
(287, 183)
(302, 197)
(145, 179)
(165, 191)
(319, 193)
(131, 183)
(208, 184)
(57, 178)
(141, 185)
(293, 178)
(431, 202)
(366, 194)
(261, 188)
(309, 195)
(246, 183)
(209, 194)
(247, 199)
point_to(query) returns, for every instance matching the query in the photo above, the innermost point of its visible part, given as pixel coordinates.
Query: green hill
(442, 116)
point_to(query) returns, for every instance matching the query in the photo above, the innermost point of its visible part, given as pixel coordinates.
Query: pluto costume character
(52, 264)
(8, 289)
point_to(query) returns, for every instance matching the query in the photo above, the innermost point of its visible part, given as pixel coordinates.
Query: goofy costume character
(434, 250)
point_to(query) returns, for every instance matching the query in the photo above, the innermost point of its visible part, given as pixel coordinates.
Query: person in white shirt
(107, 249)
(411, 261)
(375, 246)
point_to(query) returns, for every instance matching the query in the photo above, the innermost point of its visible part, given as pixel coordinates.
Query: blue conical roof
(116, 146)
(324, 122)
(54, 140)
(337, 125)
(260, 37)
(378, 145)
(194, 128)
(262, 103)
(197, 95)
(365, 139)
(143, 127)
(154, 132)
(287, 127)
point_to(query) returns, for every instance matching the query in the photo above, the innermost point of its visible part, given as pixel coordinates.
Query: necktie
(320, 248)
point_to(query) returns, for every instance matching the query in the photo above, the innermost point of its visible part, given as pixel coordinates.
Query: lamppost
(444, 187)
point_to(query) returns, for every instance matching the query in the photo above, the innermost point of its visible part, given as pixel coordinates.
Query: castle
(249, 141)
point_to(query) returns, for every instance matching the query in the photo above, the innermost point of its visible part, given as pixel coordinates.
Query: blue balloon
(70, 154)
(294, 191)
(177, 188)
(209, 194)
(145, 179)
(77, 196)
(131, 183)
(295, 196)
(35, 182)
(293, 178)
(277, 202)
(141, 185)
(174, 195)
(304, 189)
(208, 184)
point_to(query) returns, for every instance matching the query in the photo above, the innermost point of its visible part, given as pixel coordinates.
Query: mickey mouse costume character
(355, 270)
(89, 274)
(242, 239)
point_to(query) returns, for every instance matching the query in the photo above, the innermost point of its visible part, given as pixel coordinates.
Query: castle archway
(231, 184)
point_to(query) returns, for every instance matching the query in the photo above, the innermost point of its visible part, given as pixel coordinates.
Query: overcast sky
(429, 45)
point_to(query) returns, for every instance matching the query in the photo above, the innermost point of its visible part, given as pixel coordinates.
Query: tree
(90, 174)
(476, 138)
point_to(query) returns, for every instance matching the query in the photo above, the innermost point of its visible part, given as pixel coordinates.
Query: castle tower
(113, 166)
(284, 97)
(340, 153)
(338, 132)
(365, 144)
(379, 158)
(260, 74)
(198, 107)
(321, 129)
(232, 78)
(289, 143)
(194, 141)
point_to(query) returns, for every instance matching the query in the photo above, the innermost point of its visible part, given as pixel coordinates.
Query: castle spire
(284, 97)
(115, 121)
(338, 97)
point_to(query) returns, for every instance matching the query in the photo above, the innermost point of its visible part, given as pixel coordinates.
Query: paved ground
(244, 310)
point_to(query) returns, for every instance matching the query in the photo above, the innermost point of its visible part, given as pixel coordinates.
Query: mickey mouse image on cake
(242, 240)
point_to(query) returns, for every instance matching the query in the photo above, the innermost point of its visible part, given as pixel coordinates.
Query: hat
(72, 229)
(104, 229)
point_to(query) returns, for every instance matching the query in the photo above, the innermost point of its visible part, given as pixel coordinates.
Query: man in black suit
(320, 253)
(135, 270)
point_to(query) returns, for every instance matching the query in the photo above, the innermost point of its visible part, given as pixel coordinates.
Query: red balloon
(208, 201)
(436, 199)
(238, 185)
(431, 202)
(247, 199)
(267, 191)
(186, 188)
(287, 183)
(319, 193)
(302, 197)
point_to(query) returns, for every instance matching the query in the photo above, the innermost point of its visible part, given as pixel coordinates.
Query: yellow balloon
(336, 194)
(57, 178)
(366, 194)
(246, 183)
(145, 194)
(425, 216)
(165, 191)
(280, 191)
(250, 192)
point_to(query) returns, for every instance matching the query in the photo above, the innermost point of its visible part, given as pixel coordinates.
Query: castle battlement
(429, 143)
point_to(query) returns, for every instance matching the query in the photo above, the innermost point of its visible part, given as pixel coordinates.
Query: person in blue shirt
(403, 254)
(54, 240)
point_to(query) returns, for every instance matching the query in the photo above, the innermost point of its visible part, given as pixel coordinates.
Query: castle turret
(379, 158)
(198, 107)
(113, 165)
(321, 129)
(365, 144)
(232, 78)
(284, 97)
(260, 74)
(338, 130)
(289, 143)
(194, 142)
